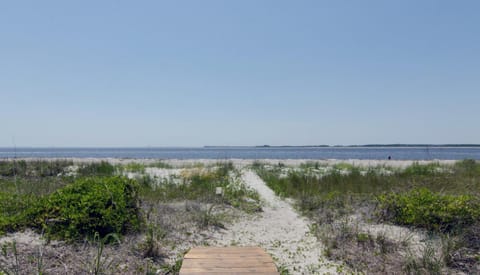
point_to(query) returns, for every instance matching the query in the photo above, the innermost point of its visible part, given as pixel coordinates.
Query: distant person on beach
(389, 157)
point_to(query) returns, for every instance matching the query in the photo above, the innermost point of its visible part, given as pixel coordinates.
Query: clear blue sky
(249, 72)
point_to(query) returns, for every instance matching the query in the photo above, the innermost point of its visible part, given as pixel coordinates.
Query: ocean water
(399, 153)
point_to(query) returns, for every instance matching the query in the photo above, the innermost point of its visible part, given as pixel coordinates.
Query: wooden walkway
(228, 260)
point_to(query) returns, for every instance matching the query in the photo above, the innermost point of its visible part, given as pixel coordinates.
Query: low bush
(431, 210)
(87, 206)
(12, 207)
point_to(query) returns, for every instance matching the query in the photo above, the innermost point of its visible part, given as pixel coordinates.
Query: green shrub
(426, 209)
(11, 208)
(87, 206)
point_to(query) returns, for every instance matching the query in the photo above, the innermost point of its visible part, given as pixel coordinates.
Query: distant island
(350, 146)
(376, 145)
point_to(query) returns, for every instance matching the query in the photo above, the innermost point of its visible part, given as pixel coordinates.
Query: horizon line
(258, 146)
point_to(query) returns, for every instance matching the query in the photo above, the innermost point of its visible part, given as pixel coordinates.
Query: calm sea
(400, 153)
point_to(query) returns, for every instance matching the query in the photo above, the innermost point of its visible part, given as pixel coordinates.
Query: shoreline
(245, 162)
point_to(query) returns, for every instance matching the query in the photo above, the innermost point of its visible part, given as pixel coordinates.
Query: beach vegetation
(343, 199)
(201, 186)
(430, 210)
(133, 167)
(83, 208)
(101, 169)
(100, 263)
(9, 250)
(160, 164)
(33, 169)
(91, 206)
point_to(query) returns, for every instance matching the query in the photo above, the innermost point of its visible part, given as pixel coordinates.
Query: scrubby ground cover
(98, 218)
(422, 219)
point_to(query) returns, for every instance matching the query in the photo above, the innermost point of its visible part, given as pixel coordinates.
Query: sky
(249, 72)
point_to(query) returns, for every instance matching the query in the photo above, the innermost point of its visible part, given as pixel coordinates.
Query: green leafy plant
(12, 208)
(433, 211)
(104, 205)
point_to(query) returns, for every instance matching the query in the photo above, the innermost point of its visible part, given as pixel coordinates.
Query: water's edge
(313, 153)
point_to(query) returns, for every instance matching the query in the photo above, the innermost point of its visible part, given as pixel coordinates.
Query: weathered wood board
(228, 260)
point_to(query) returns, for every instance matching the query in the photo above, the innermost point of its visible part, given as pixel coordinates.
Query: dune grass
(86, 202)
(42, 195)
(459, 179)
(442, 199)
(102, 168)
(22, 168)
(202, 186)
(138, 167)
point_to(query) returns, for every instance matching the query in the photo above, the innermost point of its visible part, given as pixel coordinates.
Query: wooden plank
(226, 247)
(216, 255)
(228, 260)
(269, 268)
(226, 270)
(229, 251)
(237, 253)
(228, 273)
(220, 263)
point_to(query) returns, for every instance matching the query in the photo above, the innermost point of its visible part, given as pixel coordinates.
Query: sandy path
(279, 230)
